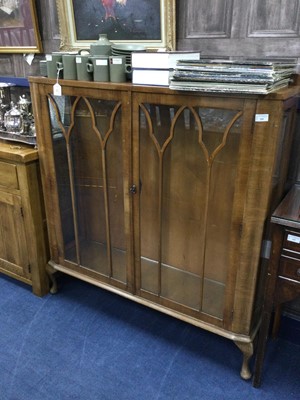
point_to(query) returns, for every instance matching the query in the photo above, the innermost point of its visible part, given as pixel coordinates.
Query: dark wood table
(283, 281)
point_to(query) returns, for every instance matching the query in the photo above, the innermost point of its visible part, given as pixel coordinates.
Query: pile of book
(228, 76)
(157, 67)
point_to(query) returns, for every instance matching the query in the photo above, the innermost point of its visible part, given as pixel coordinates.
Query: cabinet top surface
(288, 211)
(285, 93)
(17, 152)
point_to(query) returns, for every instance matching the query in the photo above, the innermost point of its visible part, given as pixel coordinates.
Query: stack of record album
(228, 76)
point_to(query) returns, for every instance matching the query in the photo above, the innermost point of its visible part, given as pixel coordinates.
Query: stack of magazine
(228, 76)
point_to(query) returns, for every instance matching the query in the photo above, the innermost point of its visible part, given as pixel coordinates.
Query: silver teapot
(13, 120)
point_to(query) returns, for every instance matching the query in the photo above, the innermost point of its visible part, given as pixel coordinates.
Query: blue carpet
(89, 344)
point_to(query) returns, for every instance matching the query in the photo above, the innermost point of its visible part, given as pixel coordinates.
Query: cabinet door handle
(132, 189)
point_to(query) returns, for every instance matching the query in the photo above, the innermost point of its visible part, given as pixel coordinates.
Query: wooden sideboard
(283, 282)
(162, 196)
(23, 236)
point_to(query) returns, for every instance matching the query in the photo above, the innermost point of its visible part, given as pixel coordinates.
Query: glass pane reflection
(88, 155)
(187, 154)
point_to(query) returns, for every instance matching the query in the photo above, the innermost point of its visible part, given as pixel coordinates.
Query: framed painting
(146, 22)
(18, 27)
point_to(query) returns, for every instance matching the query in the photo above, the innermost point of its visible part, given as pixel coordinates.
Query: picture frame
(150, 23)
(19, 31)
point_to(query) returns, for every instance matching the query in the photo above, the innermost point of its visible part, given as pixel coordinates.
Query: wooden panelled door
(243, 28)
(13, 244)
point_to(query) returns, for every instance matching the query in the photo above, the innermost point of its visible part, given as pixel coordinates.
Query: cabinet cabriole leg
(247, 350)
(51, 273)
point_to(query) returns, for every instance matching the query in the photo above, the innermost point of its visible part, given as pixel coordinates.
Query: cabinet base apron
(244, 343)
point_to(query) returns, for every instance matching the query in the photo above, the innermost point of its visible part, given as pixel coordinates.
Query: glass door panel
(88, 153)
(188, 163)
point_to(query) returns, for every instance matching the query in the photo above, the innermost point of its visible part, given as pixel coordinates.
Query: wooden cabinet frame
(217, 127)
(23, 250)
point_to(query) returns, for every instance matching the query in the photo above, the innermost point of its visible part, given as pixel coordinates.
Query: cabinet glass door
(89, 167)
(188, 166)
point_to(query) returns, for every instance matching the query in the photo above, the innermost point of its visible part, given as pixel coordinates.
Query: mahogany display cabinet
(162, 196)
